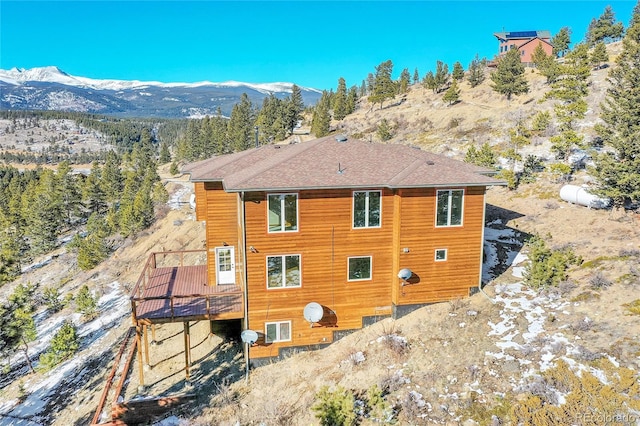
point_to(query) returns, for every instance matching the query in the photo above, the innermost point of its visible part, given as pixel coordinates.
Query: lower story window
(441, 255)
(277, 331)
(283, 271)
(359, 268)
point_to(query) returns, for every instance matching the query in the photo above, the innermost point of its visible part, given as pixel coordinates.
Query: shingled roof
(328, 163)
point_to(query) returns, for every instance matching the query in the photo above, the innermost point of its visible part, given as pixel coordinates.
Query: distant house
(525, 41)
(306, 242)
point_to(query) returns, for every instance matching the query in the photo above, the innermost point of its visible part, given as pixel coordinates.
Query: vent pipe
(257, 143)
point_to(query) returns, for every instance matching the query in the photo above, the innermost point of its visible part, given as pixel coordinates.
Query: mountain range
(50, 88)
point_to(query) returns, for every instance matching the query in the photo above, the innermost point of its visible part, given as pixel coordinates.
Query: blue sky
(309, 43)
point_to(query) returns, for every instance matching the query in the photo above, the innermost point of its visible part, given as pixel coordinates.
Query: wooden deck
(182, 293)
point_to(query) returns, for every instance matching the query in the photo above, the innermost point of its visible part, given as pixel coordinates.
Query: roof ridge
(407, 171)
(271, 161)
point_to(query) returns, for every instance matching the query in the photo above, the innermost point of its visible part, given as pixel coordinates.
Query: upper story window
(449, 207)
(283, 271)
(283, 212)
(366, 209)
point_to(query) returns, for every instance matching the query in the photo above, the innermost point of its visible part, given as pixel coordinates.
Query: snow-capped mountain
(50, 88)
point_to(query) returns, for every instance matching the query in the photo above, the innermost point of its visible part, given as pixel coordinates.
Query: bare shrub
(583, 325)
(392, 381)
(543, 389)
(629, 253)
(584, 354)
(566, 286)
(225, 395)
(473, 370)
(598, 281)
(551, 205)
(457, 304)
(412, 406)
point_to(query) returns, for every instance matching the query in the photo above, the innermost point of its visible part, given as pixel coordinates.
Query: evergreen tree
(92, 193)
(561, 41)
(385, 130)
(165, 155)
(452, 95)
(64, 344)
(93, 248)
(363, 89)
(429, 81)
(383, 86)
(12, 247)
(174, 170)
(295, 108)
(604, 29)
(405, 80)
(340, 100)
(352, 99)
(143, 151)
(599, 55)
(416, 76)
(17, 327)
(546, 64)
(441, 77)
(458, 72)
(484, 157)
(42, 212)
(635, 15)
(476, 71)
(110, 178)
(86, 303)
(320, 123)
(617, 172)
(70, 195)
(241, 124)
(508, 78)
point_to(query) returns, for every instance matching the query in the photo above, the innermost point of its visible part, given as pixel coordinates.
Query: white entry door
(225, 265)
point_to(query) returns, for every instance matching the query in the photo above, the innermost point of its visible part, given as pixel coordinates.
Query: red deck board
(187, 287)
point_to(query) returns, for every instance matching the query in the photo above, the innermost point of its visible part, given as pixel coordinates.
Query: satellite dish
(405, 274)
(249, 336)
(313, 312)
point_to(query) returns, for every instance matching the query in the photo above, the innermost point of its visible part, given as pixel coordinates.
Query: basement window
(277, 331)
(441, 255)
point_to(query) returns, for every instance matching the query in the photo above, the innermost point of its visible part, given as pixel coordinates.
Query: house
(525, 41)
(307, 242)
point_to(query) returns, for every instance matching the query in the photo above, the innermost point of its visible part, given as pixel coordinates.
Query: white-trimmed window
(282, 212)
(359, 268)
(449, 207)
(366, 209)
(441, 255)
(283, 271)
(277, 331)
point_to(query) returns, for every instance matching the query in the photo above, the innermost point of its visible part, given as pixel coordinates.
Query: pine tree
(17, 326)
(70, 195)
(241, 123)
(321, 120)
(165, 155)
(546, 64)
(599, 55)
(458, 72)
(604, 29)
(484, 157)
(110, 177)
(295, 108)
(441, 77)
(617, 172)
(64, 344)
(405, 80)
(383, 86)
(340, 100)
(86, 303)
(42, 212)
(561, 41)
(476, 71)
(416, 76)
(508, 78)
(352, 99)
(429, 81)
(385, 130)
(92, 193)
(452, 95)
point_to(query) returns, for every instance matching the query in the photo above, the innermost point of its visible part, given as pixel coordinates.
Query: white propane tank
(192, 201)
(578, 195)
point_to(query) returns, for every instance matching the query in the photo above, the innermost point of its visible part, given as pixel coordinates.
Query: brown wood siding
(201, 201)
(222, 225)
(325, 239)
(436, 281)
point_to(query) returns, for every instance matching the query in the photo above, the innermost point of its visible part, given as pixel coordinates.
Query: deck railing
(154, 260)
(219, 299)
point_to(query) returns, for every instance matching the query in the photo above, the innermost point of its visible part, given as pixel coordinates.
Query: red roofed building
(525, 41)
(306, 242)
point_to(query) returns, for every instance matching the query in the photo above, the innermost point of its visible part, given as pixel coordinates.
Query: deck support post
(153, 335)
(187, 351)
(145, 335)
(140, 360)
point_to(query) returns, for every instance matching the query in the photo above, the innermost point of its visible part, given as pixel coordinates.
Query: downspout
(243, 237)
(484, 213)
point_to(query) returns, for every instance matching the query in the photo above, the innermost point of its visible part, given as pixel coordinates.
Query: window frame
(282, 225)
(367, 210)
(278, 338)
(435, 255)
(283, 264)
(449, 203)
(349, 279)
